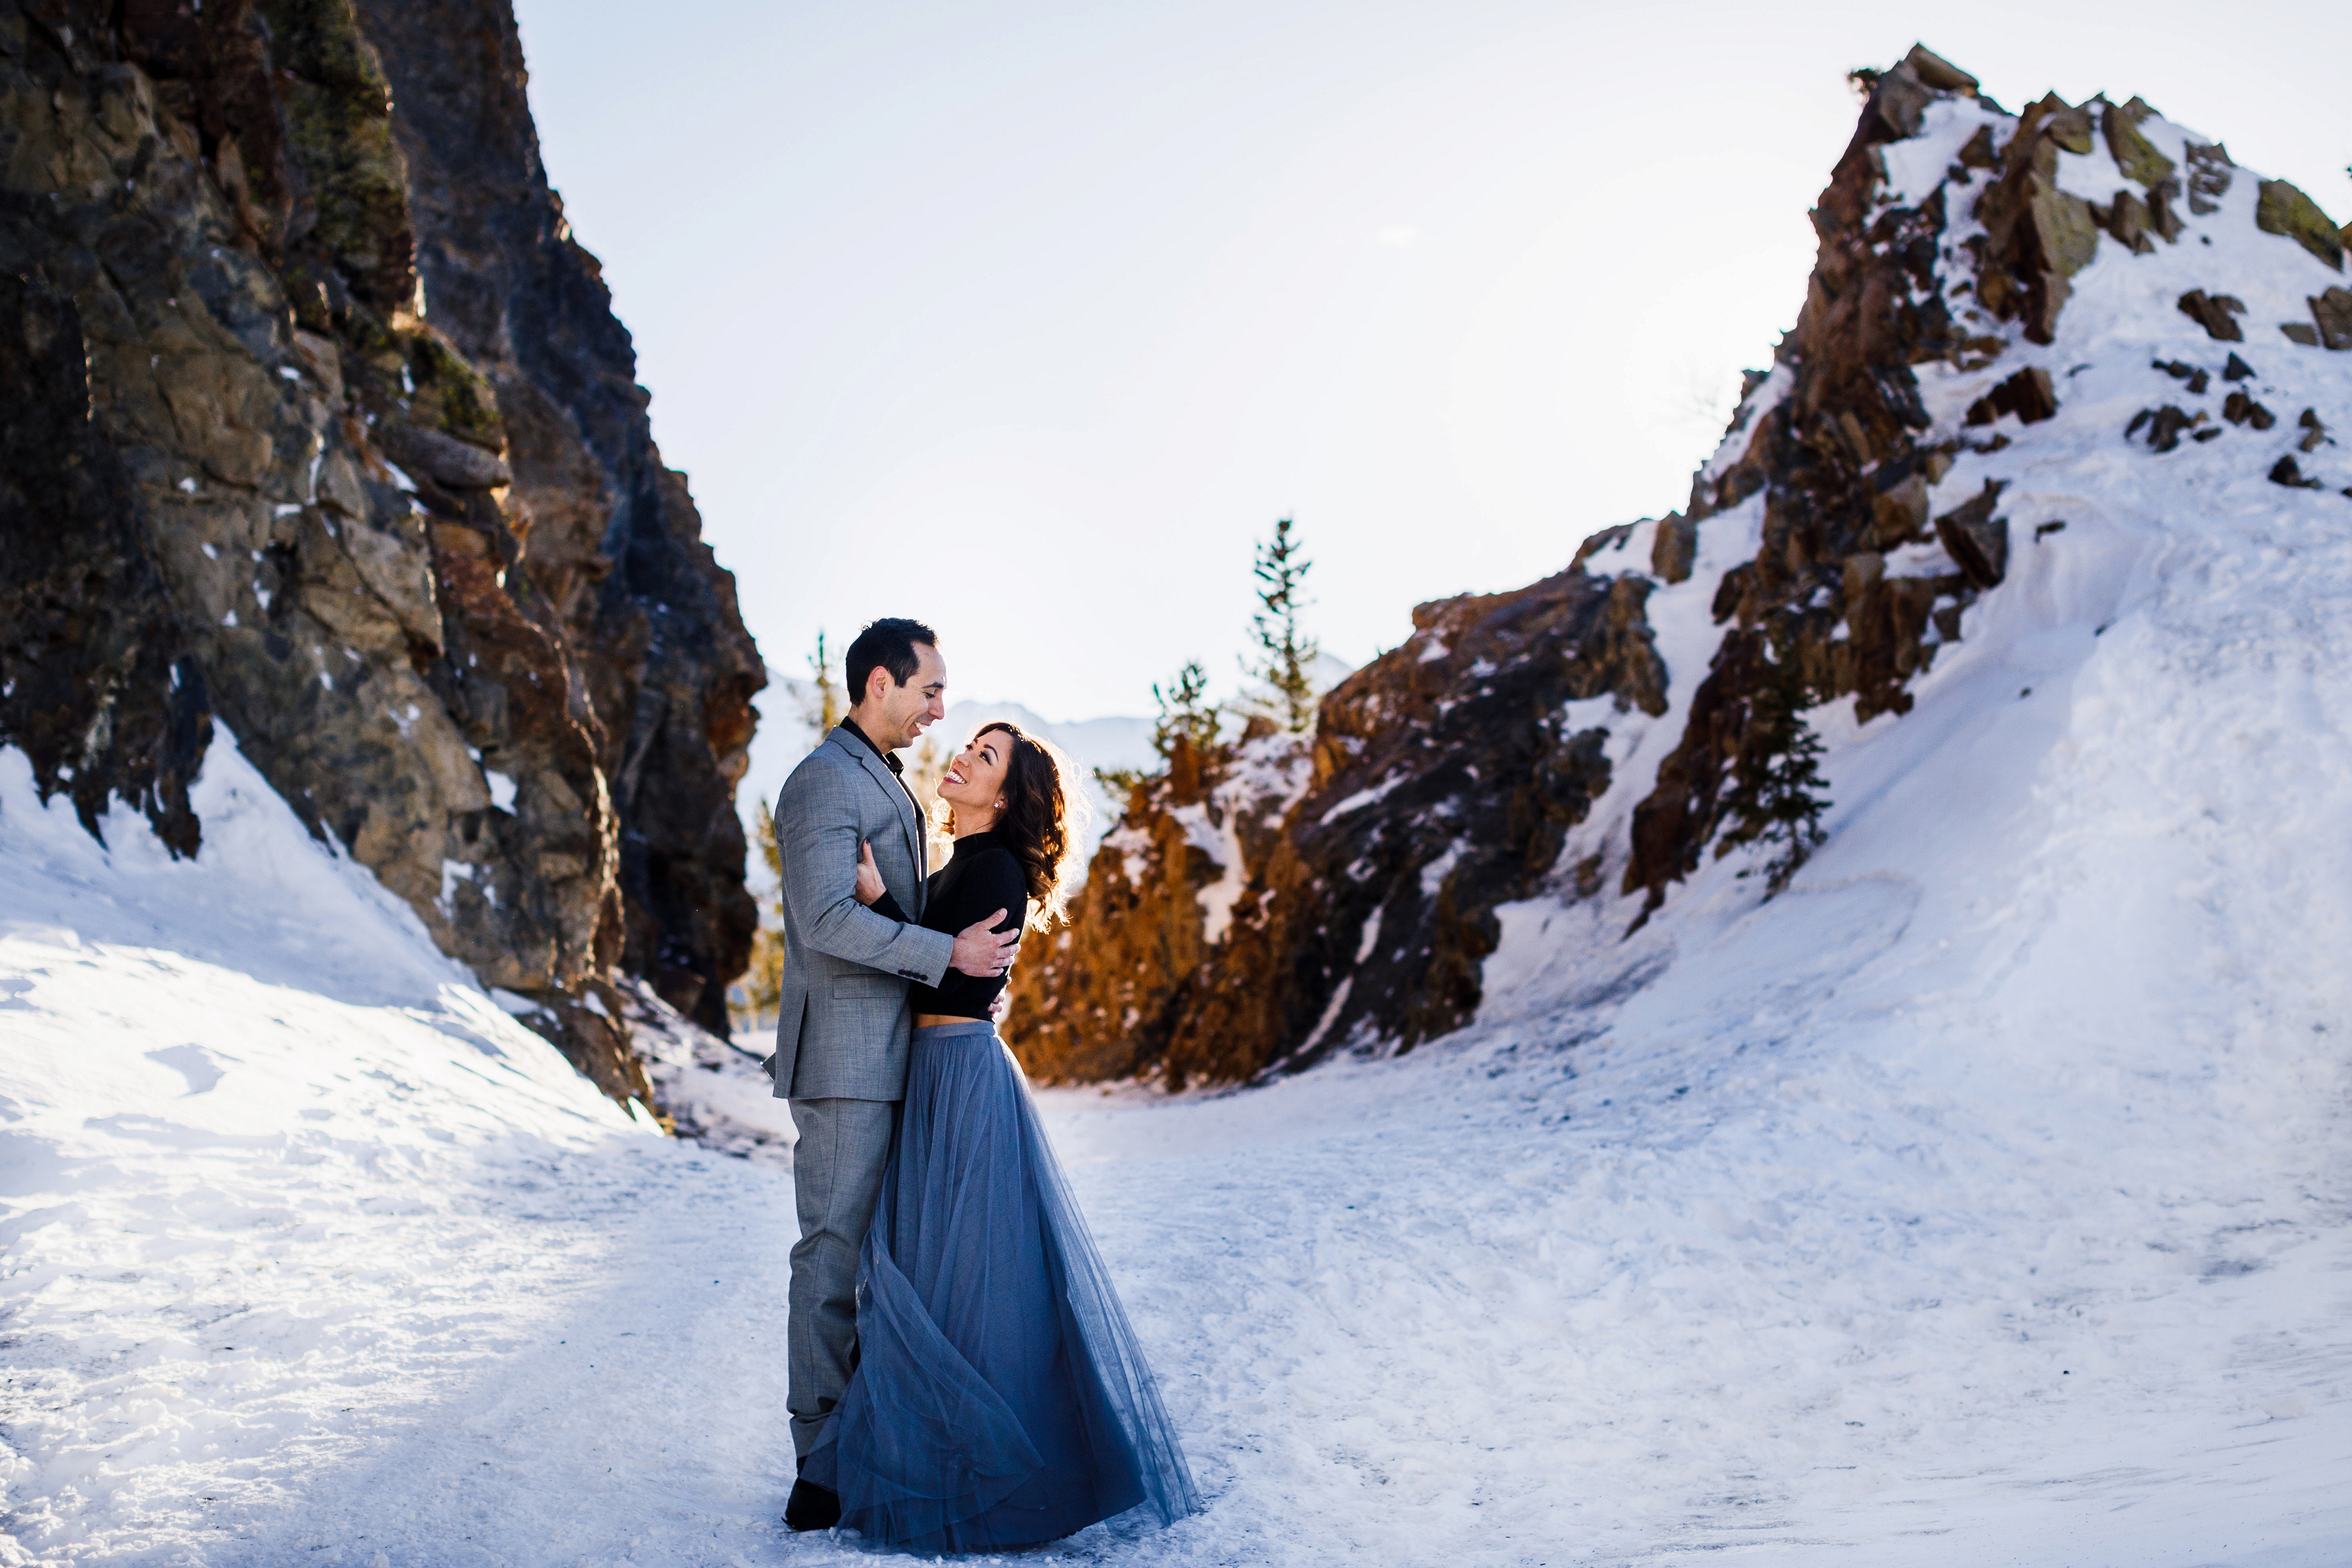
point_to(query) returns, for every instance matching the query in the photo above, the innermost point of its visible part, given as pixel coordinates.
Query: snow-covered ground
(1836, 1252)
(1987, 1197)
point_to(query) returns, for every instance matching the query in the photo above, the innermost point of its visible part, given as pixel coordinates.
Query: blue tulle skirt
(1000, 1398)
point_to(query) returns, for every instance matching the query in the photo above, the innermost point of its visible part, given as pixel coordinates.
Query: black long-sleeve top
(981, 876)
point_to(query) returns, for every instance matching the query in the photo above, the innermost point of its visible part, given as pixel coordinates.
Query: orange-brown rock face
(1104, 997)
(1261, 905)
(282, 488)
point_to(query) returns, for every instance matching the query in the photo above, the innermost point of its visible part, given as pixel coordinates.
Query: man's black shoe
(811, 1507)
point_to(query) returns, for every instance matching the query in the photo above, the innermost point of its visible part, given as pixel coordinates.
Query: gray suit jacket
(843, 1030)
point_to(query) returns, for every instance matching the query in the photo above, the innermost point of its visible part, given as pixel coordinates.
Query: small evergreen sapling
(1286, 654)
(1118, 783)
(1778, 793)
(823, 706)
(926, 770)
(1186, 711)
(762, 988)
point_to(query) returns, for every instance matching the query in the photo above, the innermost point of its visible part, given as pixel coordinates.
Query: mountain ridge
(1876, 485)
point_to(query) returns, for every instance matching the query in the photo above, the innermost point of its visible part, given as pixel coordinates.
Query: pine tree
(927, 770)
(1186, 713)
(763, 983)
(1778, 793)
(1286, 654)
(1185, 709)
(1118, 783)
(823, 706)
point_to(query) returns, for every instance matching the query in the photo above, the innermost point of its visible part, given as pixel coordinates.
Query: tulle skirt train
(1001, 1398)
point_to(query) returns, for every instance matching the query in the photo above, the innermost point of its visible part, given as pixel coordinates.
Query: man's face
(908, 710)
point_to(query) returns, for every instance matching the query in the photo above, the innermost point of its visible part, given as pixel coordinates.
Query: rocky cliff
(1266, 896)
(1578, 741)
(320, 425)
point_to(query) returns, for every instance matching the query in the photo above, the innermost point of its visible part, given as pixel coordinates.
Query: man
(843, 1038)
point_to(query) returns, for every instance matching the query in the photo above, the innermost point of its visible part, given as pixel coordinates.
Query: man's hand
(999, 1008)
(982, 951)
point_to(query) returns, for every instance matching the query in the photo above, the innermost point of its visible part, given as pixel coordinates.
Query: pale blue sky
(1027, 319)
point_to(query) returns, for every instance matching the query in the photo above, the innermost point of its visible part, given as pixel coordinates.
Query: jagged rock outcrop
(421, 559)
(1106, 996)
(1828, 549)
(1842, 457)
(616, 545)
(1837, 455)
(1259, 904)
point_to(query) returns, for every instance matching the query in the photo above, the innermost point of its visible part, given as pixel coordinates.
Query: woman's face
(975, 781)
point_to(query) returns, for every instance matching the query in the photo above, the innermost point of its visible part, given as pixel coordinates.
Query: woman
(999, 1397)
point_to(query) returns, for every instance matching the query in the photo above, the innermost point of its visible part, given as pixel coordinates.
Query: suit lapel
(879, 771)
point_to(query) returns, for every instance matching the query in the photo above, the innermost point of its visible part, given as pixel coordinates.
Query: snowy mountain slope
(2062, 999)
(2034, 348)
(2036, 1074)
(2150, 698)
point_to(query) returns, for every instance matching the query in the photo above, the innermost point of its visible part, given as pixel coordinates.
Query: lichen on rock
(2284, 209)
(2134, 153)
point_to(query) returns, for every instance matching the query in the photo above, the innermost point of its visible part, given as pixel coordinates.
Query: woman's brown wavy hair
(1041, 822)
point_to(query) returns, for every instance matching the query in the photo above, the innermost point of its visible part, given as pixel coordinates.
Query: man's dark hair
(889, 643)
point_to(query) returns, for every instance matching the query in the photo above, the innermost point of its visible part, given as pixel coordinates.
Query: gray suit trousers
(836, 1179)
